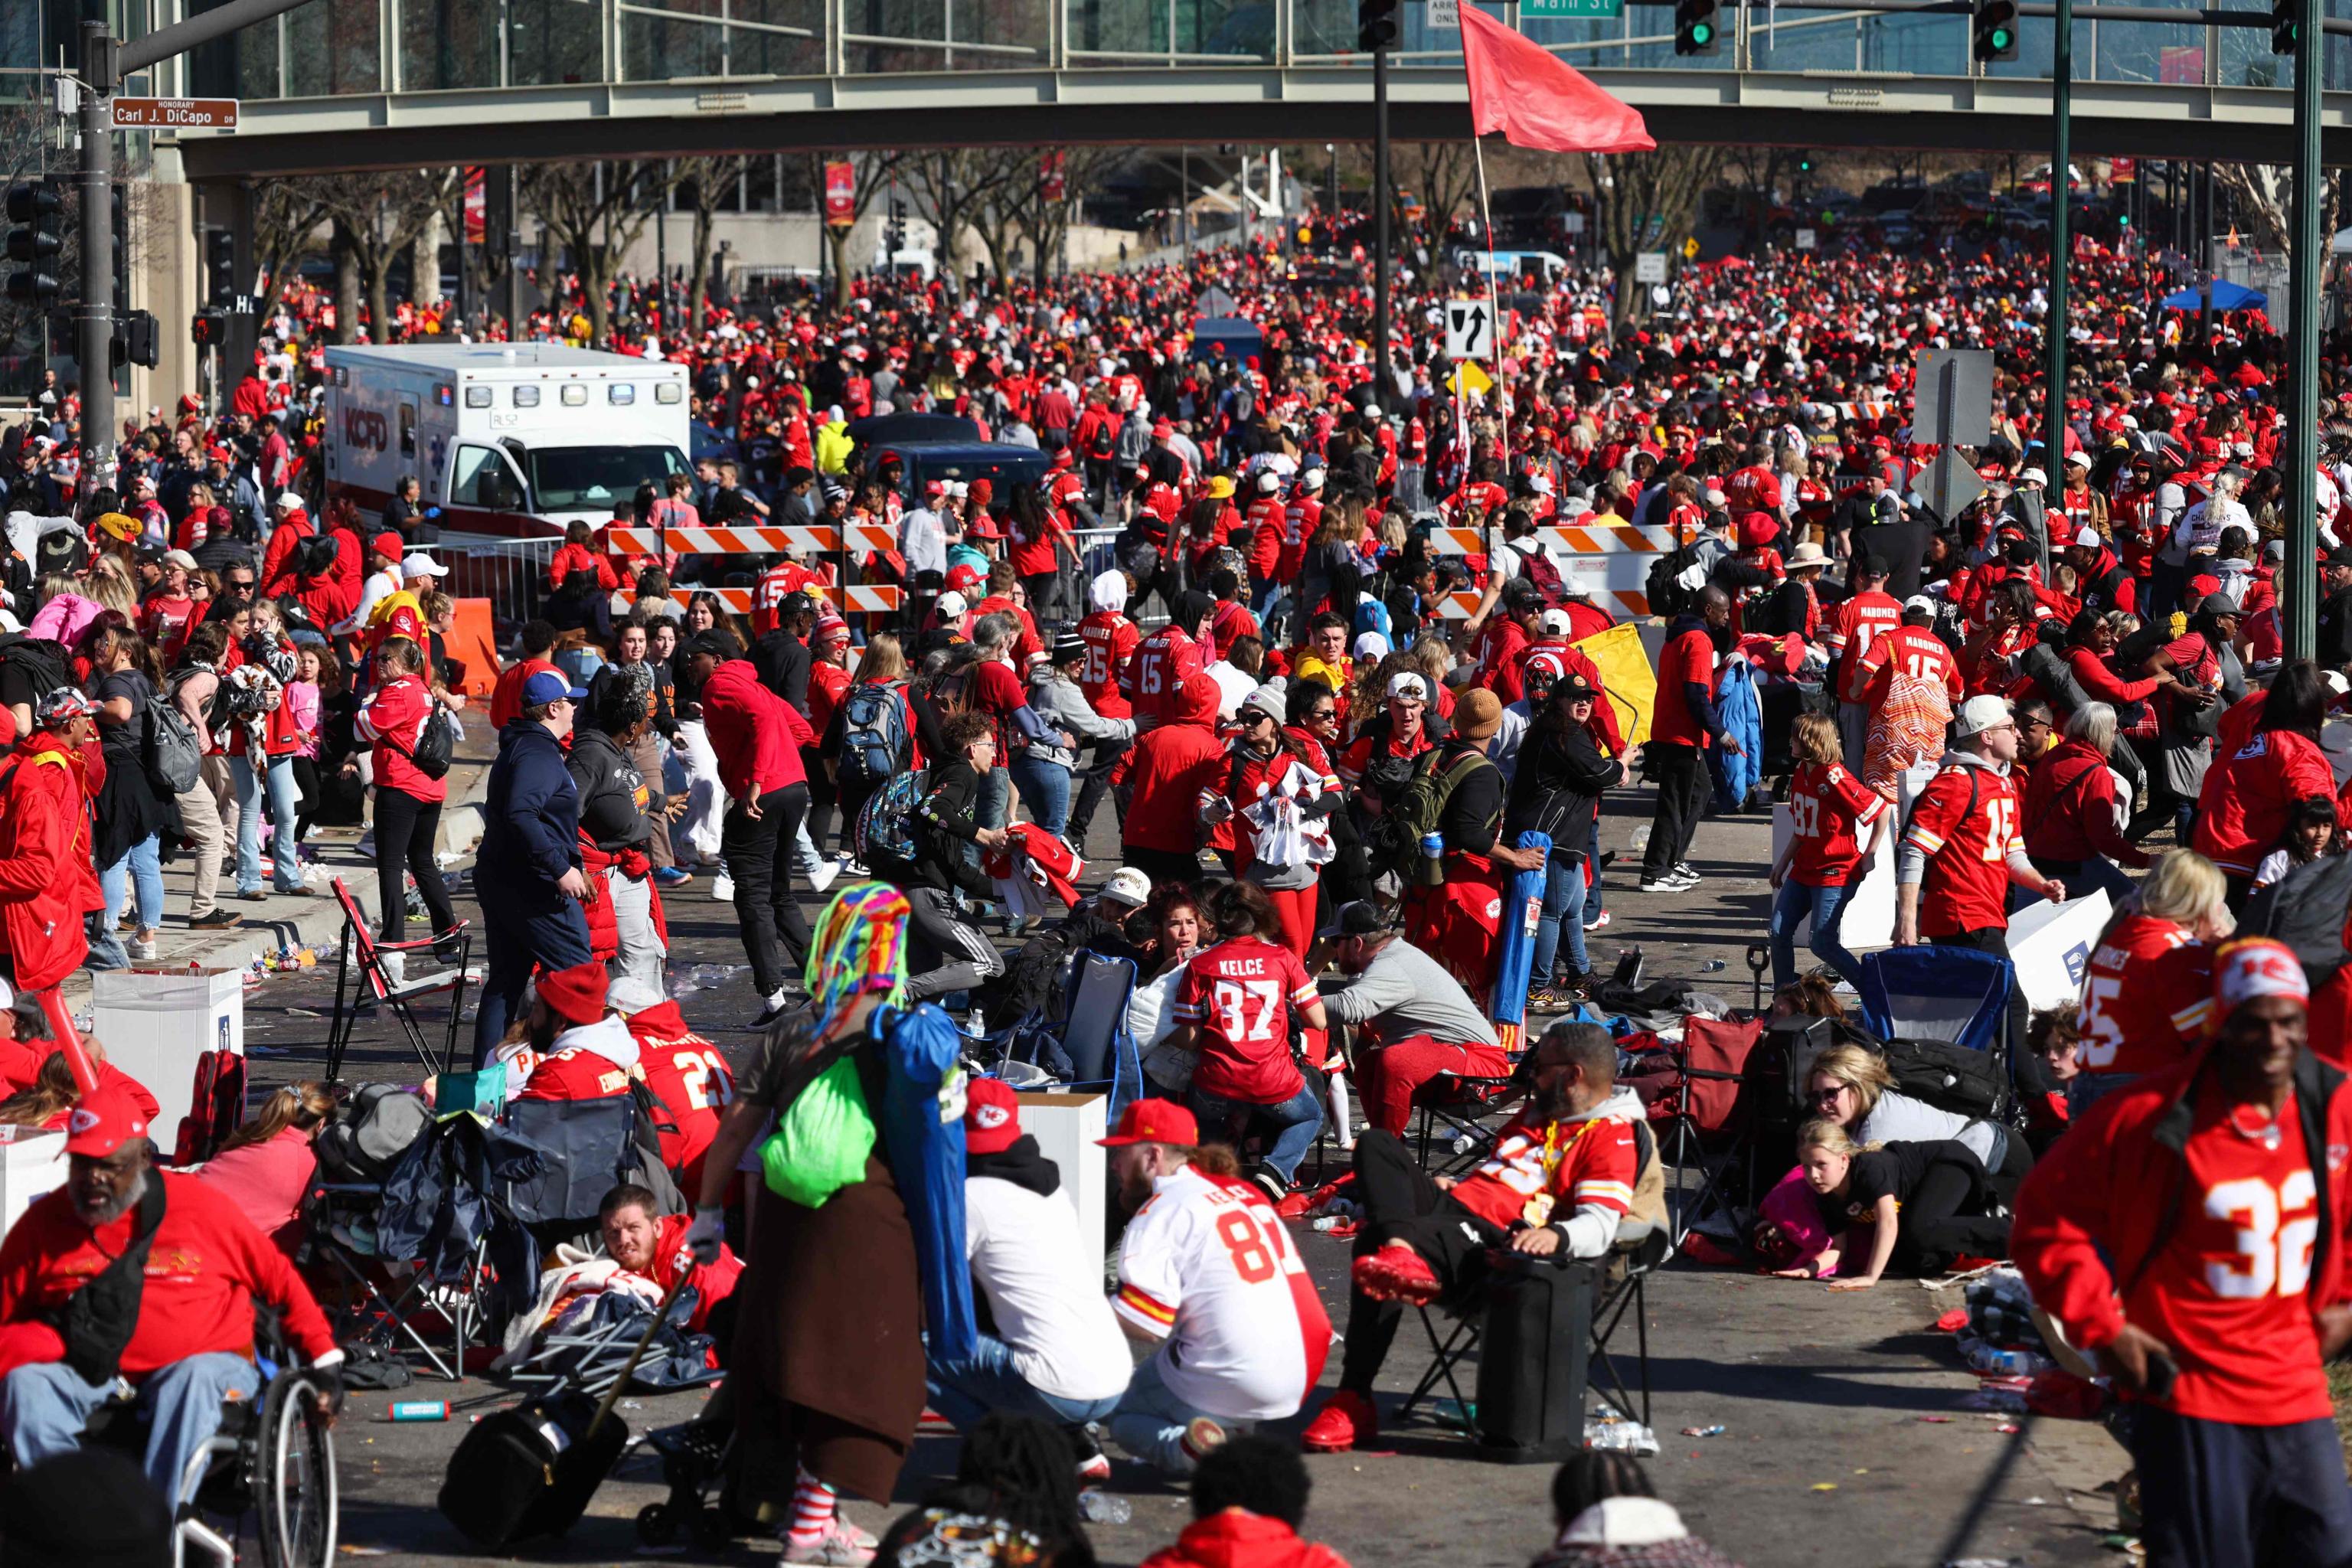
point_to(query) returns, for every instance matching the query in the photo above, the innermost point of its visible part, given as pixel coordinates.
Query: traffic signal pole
(104, 63)
(1380, 206)
(2062, 200)
(2299, 598)
(94, 314)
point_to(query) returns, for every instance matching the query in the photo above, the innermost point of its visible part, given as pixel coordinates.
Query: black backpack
(316, 556)
(41, 661)
(1667, 596)
(873, 735)
(437, 743)
(1947, 1076)
(2304, 909)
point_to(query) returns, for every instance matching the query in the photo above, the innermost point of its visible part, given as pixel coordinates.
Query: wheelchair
(273, 1457)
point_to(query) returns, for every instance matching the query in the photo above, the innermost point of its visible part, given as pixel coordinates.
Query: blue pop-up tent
(1237, 339)
(2227, 296)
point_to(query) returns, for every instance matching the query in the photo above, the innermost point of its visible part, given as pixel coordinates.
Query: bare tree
(289, 222)
(374, 218)
(1044, 221)
(595, 212)
(2263, 193)
(1448, 175)
(871, 172)
(953, 187)
(1638, 200)
(702, 180)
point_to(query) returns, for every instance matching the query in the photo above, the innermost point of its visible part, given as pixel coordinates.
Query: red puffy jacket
(1239, 1539)
(47, 877)
(2249, 799)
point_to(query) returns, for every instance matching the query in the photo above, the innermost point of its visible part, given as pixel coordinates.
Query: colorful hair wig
(859, 946)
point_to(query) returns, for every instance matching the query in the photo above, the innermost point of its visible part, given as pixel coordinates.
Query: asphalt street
(1845, 1438)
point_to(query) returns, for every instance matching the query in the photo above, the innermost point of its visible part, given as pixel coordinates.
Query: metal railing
(511, 573)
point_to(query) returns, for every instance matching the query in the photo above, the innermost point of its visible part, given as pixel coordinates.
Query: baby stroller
(694, 1459)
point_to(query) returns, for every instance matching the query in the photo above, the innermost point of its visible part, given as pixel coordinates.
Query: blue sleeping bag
(1522, 907)
(925, 1140)
(1737, 704)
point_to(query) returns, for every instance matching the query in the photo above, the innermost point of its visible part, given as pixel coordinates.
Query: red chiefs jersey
(1828, 808)
(1560, 1166)
(2227, 1292)
(1753, 488)
(1916, 652)
(1266, 521)
(1300, 519)
(776, 585)
(1110, 640)
(2146, 997)
(1966, 824)
(1859, 622)
(1240, 993)
(1162, 663)
(691, 1079)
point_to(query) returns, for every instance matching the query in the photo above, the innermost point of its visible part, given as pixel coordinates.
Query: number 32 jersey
(1208, 1267)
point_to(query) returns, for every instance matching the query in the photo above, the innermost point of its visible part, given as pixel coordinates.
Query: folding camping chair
(1092, 1031)
(1710, 1073)
(380, 1309)
(359, 962)
(1620, 1289)
(1956, 995)
(595, 1354)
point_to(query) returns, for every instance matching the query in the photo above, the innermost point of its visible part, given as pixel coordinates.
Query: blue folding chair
(1094, 1034)
(1953, 994)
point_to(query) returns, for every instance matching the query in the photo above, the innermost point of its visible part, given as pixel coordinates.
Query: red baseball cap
(1153, 1121)
(389, 543)
(992, 1116)
(576, 994)
(106, 1118)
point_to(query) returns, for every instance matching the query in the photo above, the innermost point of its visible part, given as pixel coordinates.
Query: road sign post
(1469, 329)
(2299, 596)
(2062, 199)
(1650, 267)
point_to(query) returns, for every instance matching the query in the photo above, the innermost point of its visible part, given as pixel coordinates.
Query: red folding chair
(360, 971)
(1711, 1067)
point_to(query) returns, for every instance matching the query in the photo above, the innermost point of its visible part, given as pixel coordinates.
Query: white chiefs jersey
(1208, 1266)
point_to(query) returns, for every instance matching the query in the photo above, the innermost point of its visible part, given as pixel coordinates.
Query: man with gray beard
(132, 1276)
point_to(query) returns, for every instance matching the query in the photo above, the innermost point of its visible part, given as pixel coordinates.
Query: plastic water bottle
(975, 1025)
(420, 1410)
(1099, 1507)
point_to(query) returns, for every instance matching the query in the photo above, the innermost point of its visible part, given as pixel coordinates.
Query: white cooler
(155, 1023)
(32, 1162)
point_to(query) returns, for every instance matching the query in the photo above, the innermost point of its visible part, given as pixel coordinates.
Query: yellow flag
(1626, 678)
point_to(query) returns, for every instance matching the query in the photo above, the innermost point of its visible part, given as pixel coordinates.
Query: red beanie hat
(576, 994)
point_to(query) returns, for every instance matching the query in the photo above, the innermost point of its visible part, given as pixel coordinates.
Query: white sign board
(1445, 14)
(1650, 267)
(1805, 240)
(1469, 329)
(1571, 223)
(1066, 1127)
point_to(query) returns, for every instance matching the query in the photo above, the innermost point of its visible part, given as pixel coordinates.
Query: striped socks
(814, 1505)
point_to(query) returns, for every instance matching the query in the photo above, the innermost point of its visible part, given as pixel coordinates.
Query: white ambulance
(516, 440)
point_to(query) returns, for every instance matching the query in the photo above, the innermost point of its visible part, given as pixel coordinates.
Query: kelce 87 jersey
(1208, 1267)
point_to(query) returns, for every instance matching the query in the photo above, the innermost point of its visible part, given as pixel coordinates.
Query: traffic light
(220, 267)
(2285, 13)
(1804, 163)
(135, 341)
(895, 231)
(1996, 29)
(1376, 24)
(1697, 31)
(33, 208)
(208, 328)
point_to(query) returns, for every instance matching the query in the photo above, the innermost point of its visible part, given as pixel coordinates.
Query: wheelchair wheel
(294, 1478)
(657, 1524)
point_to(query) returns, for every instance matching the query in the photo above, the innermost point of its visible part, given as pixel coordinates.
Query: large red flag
(1537, 100)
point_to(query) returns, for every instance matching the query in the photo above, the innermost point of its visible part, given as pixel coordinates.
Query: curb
(316, 921)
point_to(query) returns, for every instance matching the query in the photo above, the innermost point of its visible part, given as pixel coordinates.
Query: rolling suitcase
(1532, 1358)
(531, 1472)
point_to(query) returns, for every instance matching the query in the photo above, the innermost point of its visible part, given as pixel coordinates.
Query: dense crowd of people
(1212, 697)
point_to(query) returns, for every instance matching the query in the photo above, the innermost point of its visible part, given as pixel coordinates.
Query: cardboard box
(31, 1162)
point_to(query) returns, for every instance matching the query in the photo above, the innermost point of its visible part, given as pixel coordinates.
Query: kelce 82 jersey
(1208, 1266)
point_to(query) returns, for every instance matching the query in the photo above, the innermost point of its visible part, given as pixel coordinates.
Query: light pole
(104, 63)
(2304, 263)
